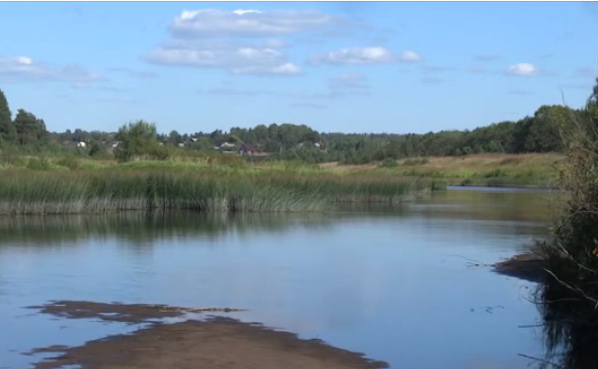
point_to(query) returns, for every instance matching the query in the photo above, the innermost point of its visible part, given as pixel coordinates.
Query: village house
(247, 149)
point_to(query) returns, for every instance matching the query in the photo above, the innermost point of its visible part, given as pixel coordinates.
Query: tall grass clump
(568, 297)
(203, 189)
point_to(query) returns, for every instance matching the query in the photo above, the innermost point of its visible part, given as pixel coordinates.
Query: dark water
(394, 283)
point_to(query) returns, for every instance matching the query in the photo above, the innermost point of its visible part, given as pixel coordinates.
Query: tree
(30, 129)
(175, 138)
(97, 149)
(136, 139)
(8, 131)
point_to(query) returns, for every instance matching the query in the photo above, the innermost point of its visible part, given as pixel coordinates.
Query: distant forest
(531, 134)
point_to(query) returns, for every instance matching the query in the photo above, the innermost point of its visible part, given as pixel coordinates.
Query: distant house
(81, 144)
(247, 149)
(227, 145)
(181, 144)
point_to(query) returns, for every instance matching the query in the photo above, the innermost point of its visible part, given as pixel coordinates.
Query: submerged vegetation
(205, 189)
(568, 298)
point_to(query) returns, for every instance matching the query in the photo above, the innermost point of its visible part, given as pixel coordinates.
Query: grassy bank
(156, 186)
(495, 170)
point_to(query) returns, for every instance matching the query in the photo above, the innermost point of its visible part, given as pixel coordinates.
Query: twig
(531, 325)
(541, 360)
(477, 262)
(572, 288)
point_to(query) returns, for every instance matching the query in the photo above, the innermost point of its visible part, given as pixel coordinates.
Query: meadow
(493, 170)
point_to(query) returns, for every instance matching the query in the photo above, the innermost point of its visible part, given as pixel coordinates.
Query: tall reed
(201, 189)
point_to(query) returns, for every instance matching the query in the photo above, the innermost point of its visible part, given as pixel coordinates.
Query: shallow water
(393, 282)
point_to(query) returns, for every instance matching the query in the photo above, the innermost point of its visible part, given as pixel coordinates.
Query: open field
(483, 169)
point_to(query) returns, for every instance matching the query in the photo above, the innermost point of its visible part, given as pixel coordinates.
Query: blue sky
(353, 67)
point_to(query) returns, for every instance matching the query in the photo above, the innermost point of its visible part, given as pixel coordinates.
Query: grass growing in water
(202, 189)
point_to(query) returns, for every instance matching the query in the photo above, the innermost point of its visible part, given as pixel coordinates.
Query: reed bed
(26, 192)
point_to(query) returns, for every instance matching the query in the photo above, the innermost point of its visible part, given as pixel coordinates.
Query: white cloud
(365, 55)
(235, 58)
(522, 69)
(210, 22)
(409, 56)
(287, 69)
(26, 69)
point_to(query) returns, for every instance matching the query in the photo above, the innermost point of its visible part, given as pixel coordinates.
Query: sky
(397, 67)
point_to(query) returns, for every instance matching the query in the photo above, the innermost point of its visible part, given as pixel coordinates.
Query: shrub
(388, 163)
(39, 163)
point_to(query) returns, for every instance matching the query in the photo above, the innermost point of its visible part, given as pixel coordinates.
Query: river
(399, 283)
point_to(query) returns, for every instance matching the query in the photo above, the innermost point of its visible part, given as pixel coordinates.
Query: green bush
(388, 163)
(69, 162)
(39, 163)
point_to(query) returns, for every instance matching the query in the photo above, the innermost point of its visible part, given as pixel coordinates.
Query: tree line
(538, 133)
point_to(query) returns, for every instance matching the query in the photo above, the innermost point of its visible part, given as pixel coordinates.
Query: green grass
(170, 186)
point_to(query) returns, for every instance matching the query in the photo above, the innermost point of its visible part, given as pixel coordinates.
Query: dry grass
(485, 169)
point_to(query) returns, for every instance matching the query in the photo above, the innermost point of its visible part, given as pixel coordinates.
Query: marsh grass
(205, 189)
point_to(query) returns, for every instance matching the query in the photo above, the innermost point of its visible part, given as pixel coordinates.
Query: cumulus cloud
(286, 69)
(364, 55)
(25, 69)
(247, 23)
(522, 69)
(233, 57)
(409, 56)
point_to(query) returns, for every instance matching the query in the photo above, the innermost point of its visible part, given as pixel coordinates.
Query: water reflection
(380, 280)
(570, 327)
(144, 228)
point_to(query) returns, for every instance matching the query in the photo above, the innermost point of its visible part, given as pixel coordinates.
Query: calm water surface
(394, 283)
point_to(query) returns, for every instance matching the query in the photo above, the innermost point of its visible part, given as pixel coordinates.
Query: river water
(397, 283)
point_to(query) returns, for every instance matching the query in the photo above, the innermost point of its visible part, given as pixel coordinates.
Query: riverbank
(527, 266)
(215, 342)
